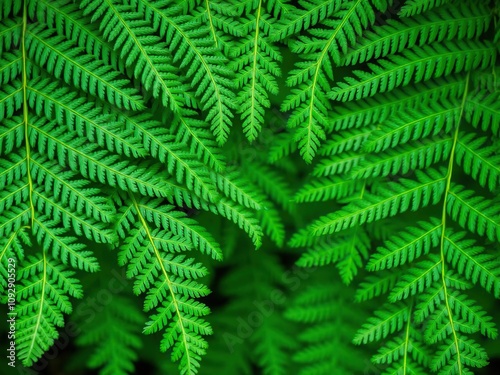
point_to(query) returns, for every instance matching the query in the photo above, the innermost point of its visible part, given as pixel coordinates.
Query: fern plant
(412, 141)
(111, 116)
(168, 139)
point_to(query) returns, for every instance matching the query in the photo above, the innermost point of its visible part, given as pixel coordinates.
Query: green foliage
(411, 141)
(361, 135)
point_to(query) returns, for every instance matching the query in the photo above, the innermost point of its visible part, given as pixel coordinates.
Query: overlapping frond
(152, 241)
(422, 111)
(311, 79)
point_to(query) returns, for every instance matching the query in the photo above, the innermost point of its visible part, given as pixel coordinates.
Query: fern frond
(375, 286)
(178, 160)
(257, 65)
(390, 200)
(241, 216)
(404, 158)
(479, 160)
(483, 111)
(272, 224)
(381, 107)
(88, 227)
(407, 246)
(112, 335)
(95, 164)
(414, 7)
(180, 225)
(11, 98)
(10, 33)
(10, 67)
(193, 132)
(446, 23)
(474, 212)
(328, 188)
(141, 48)
(473, 262)
(69, 190)
(64, 248)
(191, 45)
(418, 278)
(419, 64)
(320, 52)
(238, 189)
(66, 17)
(347, 252)
(168, 282)
(9, 8)
(338, 164)
(43, 299)
(391, 318)
(13, 219)
(10, 134)
(64, 59)
(81, 116)
(414, 125)
(297, 20)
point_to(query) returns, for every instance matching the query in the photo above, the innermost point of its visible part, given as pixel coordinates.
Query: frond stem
(167, 280)
(443, 235)
(42, 303)
(212, 28)
(407, 340)
(25, 112)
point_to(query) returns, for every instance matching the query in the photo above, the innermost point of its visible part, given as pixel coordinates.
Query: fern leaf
(82, 117)
(327, 188)
(309, 101)
(419, 277)
(420, 6)
(257, 65)
(10, 134)
(63, 58)
(190, 43)
(12, 220)
(239, 189)
(112, 335)
(68, 19)
(392, 199)
(479, 160)
(473, 262)
(375, 286)
(382, 106)
(43, 299)
(404, 158)
(168, 283)
(10, 67)
(474, 212)
(386, 321)
(69, 190)
(407, 246)
(97, 165)
(10, 33)
(175, 156)
(297, 20)
(90, 228)
(133, 36)
(242, 217)
(180, 225)
(419, 64)
(447, 23)
(483, 110)
(64, 248)
(414, 125)
(10, 100)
